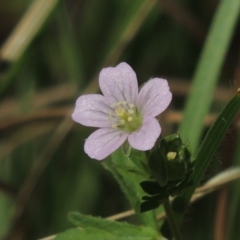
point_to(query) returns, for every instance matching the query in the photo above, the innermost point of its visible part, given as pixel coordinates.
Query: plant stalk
(171, 220)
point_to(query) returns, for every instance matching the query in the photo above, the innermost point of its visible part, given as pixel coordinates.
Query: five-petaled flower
(122, 113)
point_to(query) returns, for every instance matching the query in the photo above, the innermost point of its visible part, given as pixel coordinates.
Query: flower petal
(154, 97)
(103, 142)
(145, 138)
(119, 83)
(92, 110)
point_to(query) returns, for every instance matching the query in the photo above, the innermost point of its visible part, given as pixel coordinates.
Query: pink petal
(119, 83)
(92, 110)
(154, 97)
(103, 142)
(145, 138)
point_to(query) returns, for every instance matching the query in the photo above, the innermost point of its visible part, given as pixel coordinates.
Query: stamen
(131, 111)
(171, 155)
(131, 105)
(119, 112)
(125, 116)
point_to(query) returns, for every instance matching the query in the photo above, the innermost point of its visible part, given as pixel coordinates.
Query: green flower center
(125, 116)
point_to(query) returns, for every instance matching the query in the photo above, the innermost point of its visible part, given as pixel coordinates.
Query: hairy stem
(171, 220)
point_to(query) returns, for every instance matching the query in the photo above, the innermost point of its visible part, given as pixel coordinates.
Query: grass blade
(208, 71)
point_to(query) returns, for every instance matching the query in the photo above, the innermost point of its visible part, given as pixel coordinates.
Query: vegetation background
(52, 51)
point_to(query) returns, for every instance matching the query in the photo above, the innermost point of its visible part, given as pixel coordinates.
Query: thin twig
(121, 215)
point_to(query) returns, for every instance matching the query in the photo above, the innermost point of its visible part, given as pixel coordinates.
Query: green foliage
(91, 228)
(208, 71)
(212, 141)
(233, 214)
(69, 49)
(129, 175)
(171, 168)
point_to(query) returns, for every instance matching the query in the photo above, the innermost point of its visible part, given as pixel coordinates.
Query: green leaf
(125, 171)
(165, 230)
(158, 166)
(152, 188)
(86, 234)
(151, 204)
(234, 200)
(208, 71)
(92, 228)
(210, 144)
(212, 140)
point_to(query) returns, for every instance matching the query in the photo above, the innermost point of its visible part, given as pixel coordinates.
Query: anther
(131, 111)
(171, 155)
(131, 105)
(119, 112)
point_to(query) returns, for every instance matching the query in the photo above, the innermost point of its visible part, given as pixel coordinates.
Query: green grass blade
(211, 142)
(208, 71)
(234, 200)
(29, 26)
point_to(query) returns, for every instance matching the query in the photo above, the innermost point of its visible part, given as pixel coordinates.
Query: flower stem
(171, 220)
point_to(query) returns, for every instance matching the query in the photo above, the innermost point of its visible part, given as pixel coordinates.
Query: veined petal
(92, 110)
(154, 97)
(145, 138)
(103, 142)
(119, 83)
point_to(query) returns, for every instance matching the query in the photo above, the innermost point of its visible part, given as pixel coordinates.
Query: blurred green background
(54, 55)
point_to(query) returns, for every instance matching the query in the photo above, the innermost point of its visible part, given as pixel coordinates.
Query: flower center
(125, 116)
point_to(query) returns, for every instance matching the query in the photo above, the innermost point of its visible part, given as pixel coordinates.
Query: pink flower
(122, 112)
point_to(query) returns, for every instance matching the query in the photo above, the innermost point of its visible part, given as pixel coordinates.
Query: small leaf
(158, 165)
(166, 231)
(149, 205)
(152, 188)
(152, 202)
(92, 228)
(88, 234)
